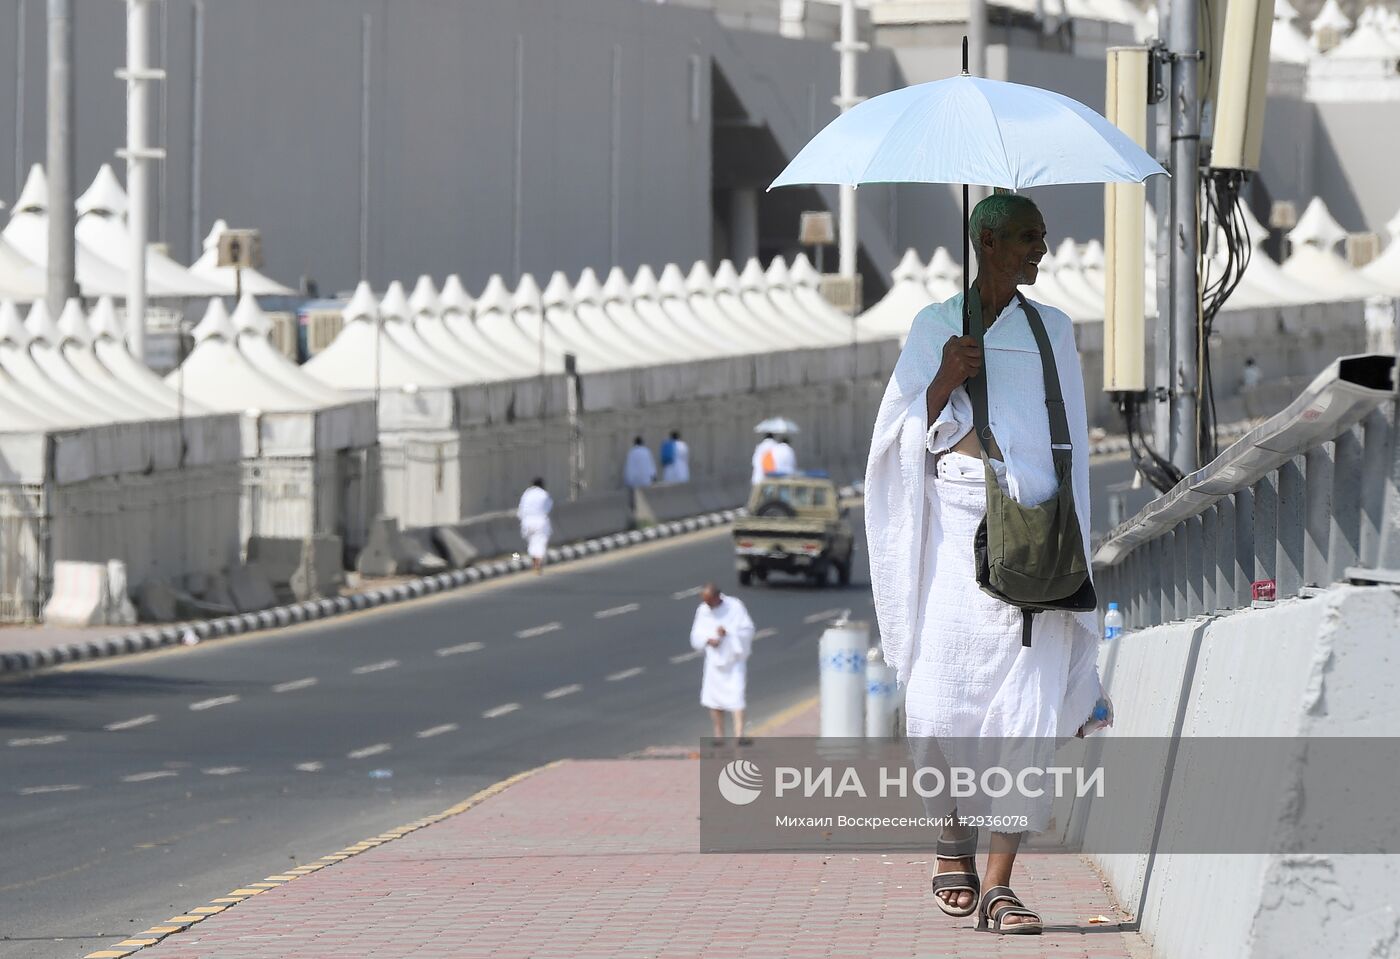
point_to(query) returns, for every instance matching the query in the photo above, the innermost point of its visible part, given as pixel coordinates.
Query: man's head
(1008, 238)
(710, 595)
(538, 481)
(768, 436)
(785, 440)
(675, 434)
(639, 442)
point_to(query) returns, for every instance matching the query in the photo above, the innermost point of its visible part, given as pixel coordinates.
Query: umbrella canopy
(1007, 135)
(777, 424)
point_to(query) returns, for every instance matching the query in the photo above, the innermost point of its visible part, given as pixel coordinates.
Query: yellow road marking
(796, 709)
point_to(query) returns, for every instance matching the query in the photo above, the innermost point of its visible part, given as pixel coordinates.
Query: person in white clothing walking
(640, 467)
(535, 529)
(724, 630)
(675, 459)
(763, 462)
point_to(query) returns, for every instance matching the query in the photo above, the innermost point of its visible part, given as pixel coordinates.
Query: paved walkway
(598, 859)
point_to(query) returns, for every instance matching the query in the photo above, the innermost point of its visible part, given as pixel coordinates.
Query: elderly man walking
(958, 650)
(723, 629)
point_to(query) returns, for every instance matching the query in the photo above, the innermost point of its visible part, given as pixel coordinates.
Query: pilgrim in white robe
(759, 470)
(956, 649)
(784, 458)
(678, 470)
(726, 670)
(535, 528)
(640, 467)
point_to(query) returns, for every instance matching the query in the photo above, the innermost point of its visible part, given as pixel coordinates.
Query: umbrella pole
(967, 246)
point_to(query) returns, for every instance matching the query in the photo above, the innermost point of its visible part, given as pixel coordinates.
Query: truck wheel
(775, 508)
(843, 572)
(745, 577)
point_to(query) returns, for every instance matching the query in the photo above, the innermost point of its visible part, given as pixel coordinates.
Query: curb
(148, 638)
(186, 919)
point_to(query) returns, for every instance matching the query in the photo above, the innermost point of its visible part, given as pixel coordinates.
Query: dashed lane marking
(538, 630)
(146, 777)
(562, 691)
(823, 615)
(500, 710)
(211, 703)
(130, 723)
(38, 740)
(368, 751)
(687, 657)
(295, 685)
(437, 730)
(40, 790)
(460, 648)
(375, 667)
(310, 767)
(687, 593)
(617, 611)
(224, 770)
(626, 674)
(765, 633)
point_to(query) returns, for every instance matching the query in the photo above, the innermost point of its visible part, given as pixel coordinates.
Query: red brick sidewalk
(597, 859)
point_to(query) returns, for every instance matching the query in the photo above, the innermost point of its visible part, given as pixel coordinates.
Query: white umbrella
(777, 424)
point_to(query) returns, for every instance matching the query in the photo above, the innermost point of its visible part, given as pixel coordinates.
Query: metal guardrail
(1300, 500)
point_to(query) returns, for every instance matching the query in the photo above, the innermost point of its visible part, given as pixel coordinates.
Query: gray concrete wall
(1306, 668)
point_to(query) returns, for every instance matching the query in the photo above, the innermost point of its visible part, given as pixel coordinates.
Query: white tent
(362, 358)
(28, 233)
(942, 276)
(109, 346)
(458, 316)
(220, 377)
(1288, 44)
(527, 315)
(76, 345)
(20, 279)
(1330, 17)
(782, 331)
(663, 339)
(895, 312)
(427, 318)
(51, 349)
(778, 291)
(723, 328)
(252, 329)
(1314, 261)
(675, 292)
(558, 302)
(1072, 277)
(1384, 270)
(615, 322)
(20, 362)
(397, 318)
(753, 332)
(226, 278)
(101, 228)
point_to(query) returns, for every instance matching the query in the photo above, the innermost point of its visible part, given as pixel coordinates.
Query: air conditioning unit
(841, 292)
(322, 326)
(284, 333)
(1283, 215)
(1362, 248)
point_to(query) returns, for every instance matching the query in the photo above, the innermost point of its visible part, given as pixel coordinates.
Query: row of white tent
(102, 253)
(1072, 277)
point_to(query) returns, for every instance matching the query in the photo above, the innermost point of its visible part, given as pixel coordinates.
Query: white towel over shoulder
(895, 474)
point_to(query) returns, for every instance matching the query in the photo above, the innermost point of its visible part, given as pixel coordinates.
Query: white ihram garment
(784, 459)
(678, 470)
(956, 649)
(535, 528)
(640, 468)
(764, 445)
(726, 670)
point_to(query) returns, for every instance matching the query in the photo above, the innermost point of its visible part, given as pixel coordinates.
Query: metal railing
(1299, 502)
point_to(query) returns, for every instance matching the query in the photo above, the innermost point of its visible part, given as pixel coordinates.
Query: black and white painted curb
(157, 637)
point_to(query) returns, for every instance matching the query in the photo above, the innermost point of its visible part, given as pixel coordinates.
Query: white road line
(562, 691)
(823, 615)
(224, 770)
(375, 667)
(538, 630)
(211, 703)
(143, 777)
(311, 767)
(686, 593)
(687, 657)
(38, 741)
(617, 611)
(627, 674)
(130, 723)
(462, 648)
(437, 730)
(374, 750)
(295, 684)
(765, 633)
(500, 710)
(40, 790)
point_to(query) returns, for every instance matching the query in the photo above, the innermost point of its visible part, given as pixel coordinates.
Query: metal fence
(1300, 502)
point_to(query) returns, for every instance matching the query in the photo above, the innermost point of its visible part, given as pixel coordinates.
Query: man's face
(710, 597)
(1015, 253)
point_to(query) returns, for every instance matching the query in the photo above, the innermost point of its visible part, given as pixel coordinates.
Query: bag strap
(1061, 448)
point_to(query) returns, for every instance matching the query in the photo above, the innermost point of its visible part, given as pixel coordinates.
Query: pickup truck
(795, 524)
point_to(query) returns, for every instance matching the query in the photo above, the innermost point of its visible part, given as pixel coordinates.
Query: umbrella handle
(967, 248)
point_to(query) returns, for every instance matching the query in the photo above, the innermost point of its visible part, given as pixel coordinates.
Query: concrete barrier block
(156, 601)
(318, 571)
(79, 595)
(120, 612)
(249, 588)
(660, 504)
(380, 556)
(456, 548)
(277, 556)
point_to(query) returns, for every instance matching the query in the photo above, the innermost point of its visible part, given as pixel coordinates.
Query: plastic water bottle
(1112, 622)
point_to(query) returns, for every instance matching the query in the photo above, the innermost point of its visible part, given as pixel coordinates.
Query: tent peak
(588, 289)
(219, 228)
(753, 279)
(671, 284)
(557, 292)
(454, 297)
(644, 285)
(617, 288)
(425, 300)
(942, 266)
(362, 305)
(777, 274)
(34, 198)
(910, 267)
(11, 326)
(803, 273)
(248, 317)
(726, 277)
(73, 324)
(216, 324)
(527, 296)
(700, 281)
(394, 305)
(1317, 227)
(496, 297)
(40, 325)
(105, 197)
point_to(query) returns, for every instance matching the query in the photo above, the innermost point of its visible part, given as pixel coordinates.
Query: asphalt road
(134, 790)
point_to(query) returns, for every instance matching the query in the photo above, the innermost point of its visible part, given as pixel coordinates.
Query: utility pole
(138, 154)
(1185, 106)
(1162, 192)
(848, 46)
(62, 281)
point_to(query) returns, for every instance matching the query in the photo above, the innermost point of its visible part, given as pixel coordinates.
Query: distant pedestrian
(1250, 378)
(640, 468)
(723, 629)
(675, 459)
(784, 458)
(763, 462)
(535, 528)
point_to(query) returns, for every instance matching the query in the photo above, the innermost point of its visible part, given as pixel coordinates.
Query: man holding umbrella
(982, 671)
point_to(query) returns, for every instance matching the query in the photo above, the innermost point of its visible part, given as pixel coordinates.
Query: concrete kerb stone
(281, 616)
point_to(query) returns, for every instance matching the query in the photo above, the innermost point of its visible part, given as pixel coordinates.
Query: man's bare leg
(717, 717)
(999, 863)
(962, 898)
(738, 724)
